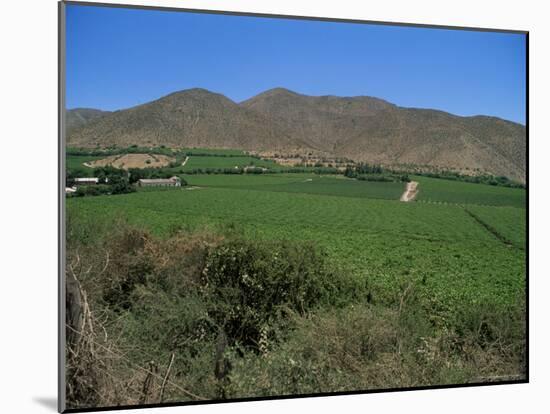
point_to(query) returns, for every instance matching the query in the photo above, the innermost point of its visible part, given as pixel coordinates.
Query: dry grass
(128, 161)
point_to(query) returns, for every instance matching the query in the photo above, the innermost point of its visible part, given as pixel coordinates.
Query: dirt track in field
(411, 190)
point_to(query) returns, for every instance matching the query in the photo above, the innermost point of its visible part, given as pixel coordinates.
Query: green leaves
(250, 285)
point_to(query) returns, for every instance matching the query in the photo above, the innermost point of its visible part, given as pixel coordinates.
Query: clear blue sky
(118, 58)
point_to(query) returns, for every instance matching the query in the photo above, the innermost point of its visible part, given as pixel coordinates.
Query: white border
(28, 32)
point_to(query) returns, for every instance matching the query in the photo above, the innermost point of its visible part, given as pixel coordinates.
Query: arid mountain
(323, 122)
(81, 116)
(191, 118)
(360, 128)
(369, 129)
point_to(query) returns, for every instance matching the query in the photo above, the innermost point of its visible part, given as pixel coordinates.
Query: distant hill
(360, 128)
(191, 118)
(80, 116)
(369, 129)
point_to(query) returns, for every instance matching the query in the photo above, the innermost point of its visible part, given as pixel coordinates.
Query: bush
(252, 286)
(376, 178)
(337, 350)
(364, 346)
(92, 190)
(254, 170)
(121, 186)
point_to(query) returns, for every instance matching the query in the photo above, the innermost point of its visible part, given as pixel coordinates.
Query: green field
(457, 192)
(302, 183)
(213, 151)
(508, 222)
(386, 242)
(77, 161)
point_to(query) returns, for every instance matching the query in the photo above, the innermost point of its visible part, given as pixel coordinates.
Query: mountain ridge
(79, 116)
(361, 128)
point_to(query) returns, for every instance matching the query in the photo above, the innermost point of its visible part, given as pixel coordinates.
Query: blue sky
(118, 58)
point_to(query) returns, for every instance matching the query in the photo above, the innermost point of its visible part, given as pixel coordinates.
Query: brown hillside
(373, 130)
(81, 116)
(361, 128)
(191, 118)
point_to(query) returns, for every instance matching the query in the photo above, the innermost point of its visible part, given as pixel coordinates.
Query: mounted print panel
(261, 206)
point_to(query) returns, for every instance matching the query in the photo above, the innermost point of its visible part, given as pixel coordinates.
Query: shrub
(336, 350)
(92, 190)
(376, 178)
(129, 266)
(252, 286)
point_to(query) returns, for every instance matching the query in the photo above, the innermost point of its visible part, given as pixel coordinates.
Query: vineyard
(456, 192)
(384, 241)
(303, 183)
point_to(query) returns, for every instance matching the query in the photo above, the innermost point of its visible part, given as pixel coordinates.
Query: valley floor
(428, 292)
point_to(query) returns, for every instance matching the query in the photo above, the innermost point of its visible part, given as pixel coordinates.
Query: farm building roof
(87, 180)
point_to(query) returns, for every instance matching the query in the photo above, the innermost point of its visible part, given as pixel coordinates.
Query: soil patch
(127, 161)
(411, 190)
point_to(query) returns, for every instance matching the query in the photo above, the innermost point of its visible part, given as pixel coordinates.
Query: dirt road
(411, 190)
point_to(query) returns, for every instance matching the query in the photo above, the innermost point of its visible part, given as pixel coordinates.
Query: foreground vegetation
(202, 315)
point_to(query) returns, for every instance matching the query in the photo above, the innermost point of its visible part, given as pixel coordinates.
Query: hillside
(190, 118)
(372, 130)
(360, 128)
(80, 116)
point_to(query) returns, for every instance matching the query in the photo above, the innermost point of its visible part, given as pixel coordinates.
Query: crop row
(304, 184)
(387, 243)
(458, 192)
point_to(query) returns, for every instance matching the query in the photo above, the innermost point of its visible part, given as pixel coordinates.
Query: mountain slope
(81, 116)
(360, 128)
(191, 118)
(372, 130)
(320, 121)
